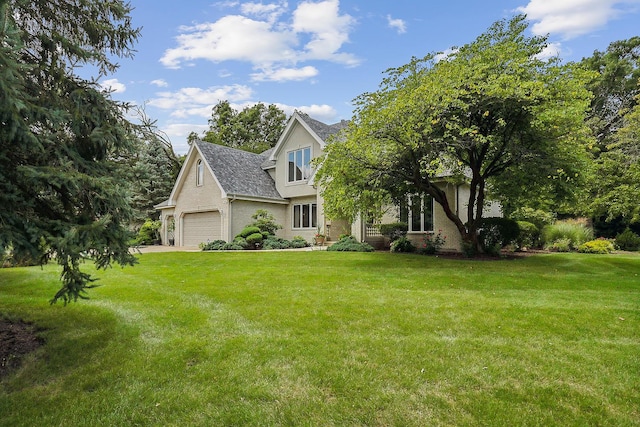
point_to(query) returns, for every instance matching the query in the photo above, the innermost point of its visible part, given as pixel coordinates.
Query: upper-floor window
(299, 165)
(417, 212)
(199, 172)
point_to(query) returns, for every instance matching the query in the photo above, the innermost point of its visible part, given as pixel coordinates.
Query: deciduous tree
(255, 129)
(491, 112)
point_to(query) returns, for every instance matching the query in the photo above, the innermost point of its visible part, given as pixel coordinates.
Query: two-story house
(220, 188)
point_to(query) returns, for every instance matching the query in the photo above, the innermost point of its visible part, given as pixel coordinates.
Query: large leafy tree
(493, 113)
(62, 138)
(615, 120)
(255, 128)
(615, 185)
(615, 88)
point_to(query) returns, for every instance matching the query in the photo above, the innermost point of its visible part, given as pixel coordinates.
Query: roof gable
(318, 130)
(238, 172)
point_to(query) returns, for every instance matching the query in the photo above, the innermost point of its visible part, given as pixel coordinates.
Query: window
(305, 216)
(299, 165)
(417, 212)
(199, 172)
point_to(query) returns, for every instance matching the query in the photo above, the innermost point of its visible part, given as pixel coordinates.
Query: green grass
(332, 339)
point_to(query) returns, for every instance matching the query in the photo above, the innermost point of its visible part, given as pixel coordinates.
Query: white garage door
(200, 227)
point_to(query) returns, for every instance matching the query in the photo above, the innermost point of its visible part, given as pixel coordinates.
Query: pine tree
(62, 189)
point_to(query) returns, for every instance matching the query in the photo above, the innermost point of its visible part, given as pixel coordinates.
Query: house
(219, 188)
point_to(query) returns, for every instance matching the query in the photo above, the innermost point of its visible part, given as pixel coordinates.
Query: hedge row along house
(219, 188)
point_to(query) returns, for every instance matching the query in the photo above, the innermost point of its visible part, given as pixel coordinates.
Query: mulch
(17, 339)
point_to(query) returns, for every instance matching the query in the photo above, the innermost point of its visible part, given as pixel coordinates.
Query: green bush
(241, 242)
(148, 234)
(529, 236)
(575, 231)
(598, 246)
(562, 244)
(216, 245)
(395, 230)
(432, 243)
(265, 222)
(496, 233)
(350, 244)
(254, 240)
(628, 241)
(402, 245)
(273, 242)
(299, 242)
(233, 246)
(248, 231)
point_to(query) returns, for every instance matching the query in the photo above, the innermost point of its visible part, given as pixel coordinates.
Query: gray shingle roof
(324, 131)
(239, 172)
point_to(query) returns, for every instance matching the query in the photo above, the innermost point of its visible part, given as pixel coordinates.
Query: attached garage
(201, 227)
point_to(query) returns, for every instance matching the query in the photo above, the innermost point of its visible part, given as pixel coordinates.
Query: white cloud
(193, 101)
(398, 24)
(113, 86)
(285, 74)
(325, 113)
(271, 12)
(441, 56)
(552, 50)
(263, 37)
(178, 133)
(159, 83)
(572, 18)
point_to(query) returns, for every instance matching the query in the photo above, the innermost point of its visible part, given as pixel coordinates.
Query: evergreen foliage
(63, 190)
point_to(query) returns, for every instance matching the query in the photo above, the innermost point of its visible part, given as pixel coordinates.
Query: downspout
(229, 220)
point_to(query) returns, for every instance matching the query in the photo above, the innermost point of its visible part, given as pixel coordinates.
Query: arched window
(199, 172)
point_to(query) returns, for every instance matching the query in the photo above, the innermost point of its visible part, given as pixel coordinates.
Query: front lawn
(332, 339)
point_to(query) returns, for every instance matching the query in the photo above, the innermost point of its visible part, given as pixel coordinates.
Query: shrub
(233, 246)
(561, 245)
(529, 236)
(273, 242)
(254, 240)
(395, 230)
(216, 245)
(248, 231)
(350, 244)
(598, 246)
(148, 234)
(241, 242)
(402, 245)
(265, 221)
(432, 243)
(299, 242)
(576, 232)
(628, 240)
(495, 233)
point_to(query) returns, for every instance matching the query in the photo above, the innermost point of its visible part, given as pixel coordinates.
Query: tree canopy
(255, 128)
(492, 113)
(62, 189)
(614, 117)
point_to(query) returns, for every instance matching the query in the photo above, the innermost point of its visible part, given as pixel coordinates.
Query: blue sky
(318, 55)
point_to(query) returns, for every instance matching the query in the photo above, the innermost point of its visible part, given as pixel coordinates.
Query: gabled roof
(238, 172)
(324, 131)
(318, 130)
